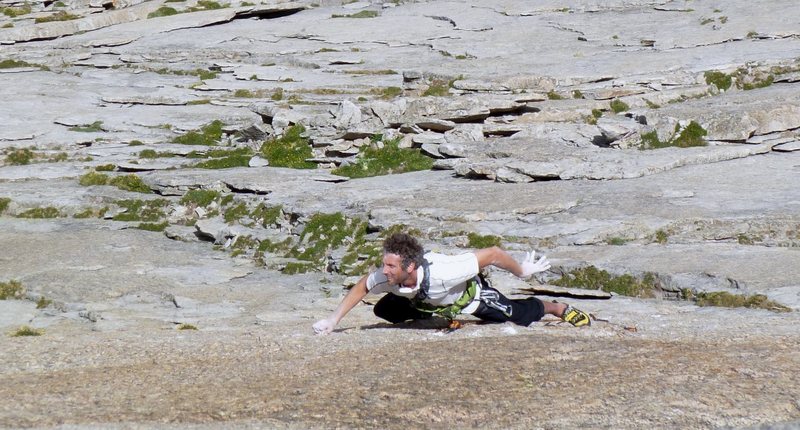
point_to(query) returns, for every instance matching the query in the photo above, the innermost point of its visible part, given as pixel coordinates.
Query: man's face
(394, 272)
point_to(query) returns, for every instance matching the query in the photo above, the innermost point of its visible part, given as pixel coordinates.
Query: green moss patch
(689, 136)
(26, 331)
(236, 212)
(13, 64)
(141, 210)
(478, 241)
(592, 278)
(201, 198)
(11, 290)
(163, 11)
(208, 135)
(292, 150)
(14, 12)
(4, 203)
(46, 212)
(151, 153)
(388, 92)
(93, 178)
(91, 213)
(361, 14)
(266, 215)
(130, 182)
(88, 128)
(618, 106)
(373, 161)
(185, 326)
(721, 80)
(43, 302)
(439, 88)
(225, 162)
(61, 15)
(20, 157)
(149, 226)
(728, 300)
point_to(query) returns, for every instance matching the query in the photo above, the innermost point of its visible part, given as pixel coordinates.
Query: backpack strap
(449, 311)
(425, 285)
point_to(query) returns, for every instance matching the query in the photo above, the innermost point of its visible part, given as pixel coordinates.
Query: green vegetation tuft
(141, 210)
(19, 157)
(130, 182)
(292, 150)
(293, 268)
(149, 226)
(13, 64)
(617, 241)
(40, 213)
(236, 213)
(61, 15)
(661, 237)
(200, 198)
(758, 83)
(14, 12)
(728, 300)
(43, 302)
(267, 216)
(93, 178)
(721, 80)
(208, 135)
(478, 241)
(4, 202)
(618, 106)
(27, 331)
(439, 88)
(390, 159)
(11, 290)
(361, 14)
(577, 94)
(388, 92)
(91, 213)
(208, 5)
(163, 11)
(689, 136)
(186, 326)
(552, 95)
(88, 128)
(225, 162)
(322, 233)
(592, 278)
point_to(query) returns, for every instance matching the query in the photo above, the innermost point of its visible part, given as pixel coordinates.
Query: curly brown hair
(405, 246)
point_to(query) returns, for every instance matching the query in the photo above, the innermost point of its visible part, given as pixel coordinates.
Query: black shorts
(494, 307)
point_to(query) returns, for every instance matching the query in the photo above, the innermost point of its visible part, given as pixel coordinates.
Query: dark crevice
(269, 14)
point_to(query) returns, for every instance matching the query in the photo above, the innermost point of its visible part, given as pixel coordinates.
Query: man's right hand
(324, 326)
(530, 265)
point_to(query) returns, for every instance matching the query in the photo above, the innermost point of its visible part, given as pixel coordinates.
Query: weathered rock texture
(538, 116)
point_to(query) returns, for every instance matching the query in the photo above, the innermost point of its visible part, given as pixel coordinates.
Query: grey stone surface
(535, 123)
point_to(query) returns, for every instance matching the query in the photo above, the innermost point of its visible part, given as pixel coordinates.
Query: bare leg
(554, 308)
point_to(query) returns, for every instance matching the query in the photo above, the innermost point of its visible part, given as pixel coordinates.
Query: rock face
(140, 193)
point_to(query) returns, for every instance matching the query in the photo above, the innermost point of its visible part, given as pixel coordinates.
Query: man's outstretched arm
(356, 293)
(495, 256)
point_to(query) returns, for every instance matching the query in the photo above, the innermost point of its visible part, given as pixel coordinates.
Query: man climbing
(420, 284)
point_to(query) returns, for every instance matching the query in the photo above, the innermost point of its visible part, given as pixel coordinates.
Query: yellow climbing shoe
(576, 317)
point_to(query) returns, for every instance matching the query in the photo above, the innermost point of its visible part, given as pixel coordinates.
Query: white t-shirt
(448, 280)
